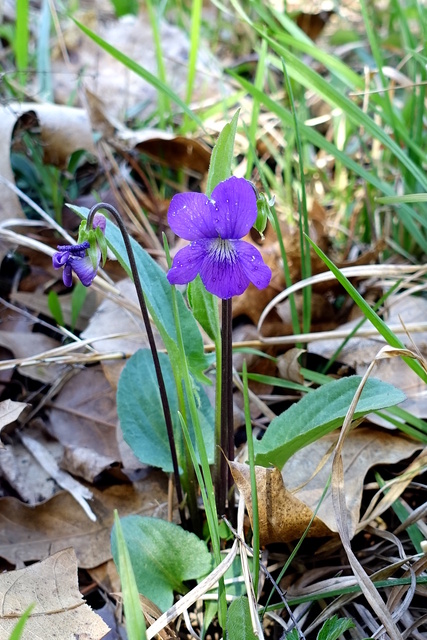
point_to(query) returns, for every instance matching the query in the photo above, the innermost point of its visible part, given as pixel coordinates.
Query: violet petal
(235, 208)
(252, 264)
(191, 216)
(84, 269)
(187, 262)
(67, 275)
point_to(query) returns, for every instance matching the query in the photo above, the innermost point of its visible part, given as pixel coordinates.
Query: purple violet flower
(215, 227)
(77, 258)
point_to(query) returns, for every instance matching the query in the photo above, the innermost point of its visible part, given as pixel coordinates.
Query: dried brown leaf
(282, 516)
(32, 533)
(59, 609)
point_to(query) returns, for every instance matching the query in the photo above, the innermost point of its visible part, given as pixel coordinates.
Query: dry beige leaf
(288, 366)
(282, 516)
(363, 448)
(32, 533)
(59, 609)
(10, 411)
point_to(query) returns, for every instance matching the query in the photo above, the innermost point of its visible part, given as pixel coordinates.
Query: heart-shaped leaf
(163, 557)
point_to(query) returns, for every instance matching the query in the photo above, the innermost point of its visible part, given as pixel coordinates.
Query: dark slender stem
(227, 430)
(151, 341)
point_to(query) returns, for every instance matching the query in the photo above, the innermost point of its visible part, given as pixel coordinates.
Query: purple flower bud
(75, 258)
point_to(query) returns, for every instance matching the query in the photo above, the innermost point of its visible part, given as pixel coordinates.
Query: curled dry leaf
(63, 130)
(10, 411)
(288, 366)
(59, 609)
(282, 516)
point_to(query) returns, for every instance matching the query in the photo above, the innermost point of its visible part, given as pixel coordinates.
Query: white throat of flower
(222, 250)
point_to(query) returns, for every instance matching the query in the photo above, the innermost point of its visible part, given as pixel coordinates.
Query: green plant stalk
(253, 127)
(376, 52)
(206, 476)
(135, 623)
(379, 324)
(212, 518)
(163, 98)
(21, 38)
(254, 492)
(196, 18)
(303, 214)
(44, 71)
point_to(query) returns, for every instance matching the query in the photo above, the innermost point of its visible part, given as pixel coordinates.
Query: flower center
(222, 250)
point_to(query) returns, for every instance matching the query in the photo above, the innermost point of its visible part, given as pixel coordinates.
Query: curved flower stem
(151, 341)
(227, 431)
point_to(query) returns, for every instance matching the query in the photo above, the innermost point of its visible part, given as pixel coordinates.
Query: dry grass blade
(193, 595)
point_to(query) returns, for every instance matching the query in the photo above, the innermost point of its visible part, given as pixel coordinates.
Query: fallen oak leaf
(59, 609)
(282, 516)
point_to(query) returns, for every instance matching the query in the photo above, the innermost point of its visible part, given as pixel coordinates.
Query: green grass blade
(303, 214)
(135, 622)
(19, 628)
(21, 38)
(163, 99)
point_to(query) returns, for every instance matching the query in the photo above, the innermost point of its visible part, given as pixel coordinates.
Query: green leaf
(318, 413)
(135, 623)
(78, 298)
(163, 557)
(205, 308)
(158, 293)
(222, 155)
(55, 308)
(125, 7)
(141, 413)
(332, 629)
(239, 624)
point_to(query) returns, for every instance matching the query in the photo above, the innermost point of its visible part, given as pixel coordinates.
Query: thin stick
(151, 341)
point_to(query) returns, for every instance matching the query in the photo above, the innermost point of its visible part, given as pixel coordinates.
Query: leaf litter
(76, 439)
